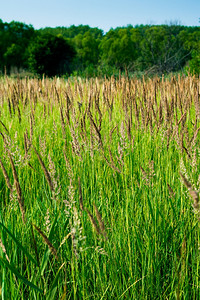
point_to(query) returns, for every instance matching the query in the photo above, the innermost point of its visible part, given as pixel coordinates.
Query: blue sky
(100, 13)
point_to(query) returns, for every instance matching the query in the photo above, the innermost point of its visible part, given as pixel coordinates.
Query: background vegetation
(89, 52)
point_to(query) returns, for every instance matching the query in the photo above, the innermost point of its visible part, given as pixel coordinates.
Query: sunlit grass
(106, 213)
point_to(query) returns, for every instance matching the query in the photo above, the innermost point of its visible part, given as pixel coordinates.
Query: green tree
(119, 47)
(14, 40)
(87, 48)
(50, 55)
(73, 31)
(191, 42)
(162, 50)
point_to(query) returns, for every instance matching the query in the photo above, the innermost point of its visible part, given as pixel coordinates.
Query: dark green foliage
(162, 50)
(120, 47)
(143, 49)
(50, 55)
(73, 31)
(14, 40)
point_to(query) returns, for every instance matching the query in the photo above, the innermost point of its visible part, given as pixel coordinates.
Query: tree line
(85, 51)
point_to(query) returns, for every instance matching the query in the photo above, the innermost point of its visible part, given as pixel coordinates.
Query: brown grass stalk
(100, 221)
(96, 129)
(93, 222)
(18, 189)
(47, 241)
(172, 193)
(5, 174)
(46, 173)
(193, 194)
(80, 195)
(4, 126)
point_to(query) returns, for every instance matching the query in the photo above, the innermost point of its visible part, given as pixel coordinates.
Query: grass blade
(14, 271)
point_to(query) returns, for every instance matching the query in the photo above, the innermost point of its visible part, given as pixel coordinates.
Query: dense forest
(85, 51)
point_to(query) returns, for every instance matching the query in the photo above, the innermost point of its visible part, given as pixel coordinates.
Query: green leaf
(54, 287)
(18, 244)
(45, 260)
(12, 268)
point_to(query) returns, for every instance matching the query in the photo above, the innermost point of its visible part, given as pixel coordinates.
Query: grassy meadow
(99, 183)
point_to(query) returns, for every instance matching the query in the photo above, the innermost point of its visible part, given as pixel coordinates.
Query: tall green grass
(107, 215)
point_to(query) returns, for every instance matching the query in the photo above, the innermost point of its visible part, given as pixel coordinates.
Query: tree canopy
(83, 50)
(50, 55)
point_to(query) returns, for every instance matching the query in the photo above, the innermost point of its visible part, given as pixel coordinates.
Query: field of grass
(99, 185)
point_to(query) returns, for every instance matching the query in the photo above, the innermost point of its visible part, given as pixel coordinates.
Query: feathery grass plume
(112, 161)
(120, 155)
(5, 174)
(47, 221)
(151, 169)
(183, 168)
(75, 144)
(42, 145)
(100, 221)
(123, 136)
(64, 240)
(47, 241)
(18, 189)
(73, 216)
(145, 176)
(46, 173)
(76, 232)
(80, 194)
(93, 222)
(68, 166)
(186, 182)
(193, 194)
(194, 163)
(54, 177)
(194, 137)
